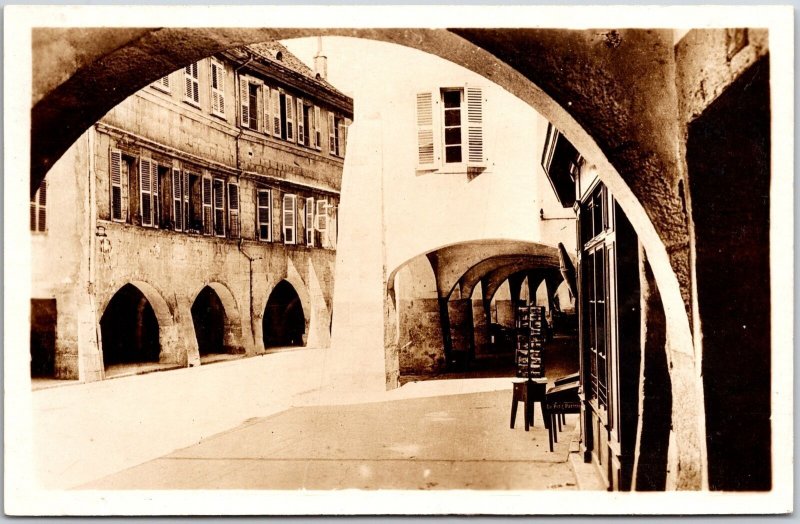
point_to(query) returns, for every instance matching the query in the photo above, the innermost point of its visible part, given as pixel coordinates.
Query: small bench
(528, 392)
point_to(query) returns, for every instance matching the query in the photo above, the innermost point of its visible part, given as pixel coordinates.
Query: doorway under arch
(129, 329)
(284, 322)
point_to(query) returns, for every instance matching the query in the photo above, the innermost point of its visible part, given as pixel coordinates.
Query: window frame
(268, 214)
(234, 214)
(191, 80)
(38, 208)
(289, 197)
(309, 212)
(219, 91)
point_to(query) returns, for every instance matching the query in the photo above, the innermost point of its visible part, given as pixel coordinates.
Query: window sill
(189, 101)
(220, 116)
(161, 89)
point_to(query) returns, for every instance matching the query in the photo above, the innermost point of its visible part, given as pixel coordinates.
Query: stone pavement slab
(457, 441)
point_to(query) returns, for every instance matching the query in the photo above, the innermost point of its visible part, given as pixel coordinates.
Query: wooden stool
(528, 392)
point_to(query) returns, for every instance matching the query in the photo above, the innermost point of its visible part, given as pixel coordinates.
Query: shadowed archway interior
(208, 316)
(284, 321)
(129, 329)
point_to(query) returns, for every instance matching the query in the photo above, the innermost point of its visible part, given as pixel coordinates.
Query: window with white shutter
(332, 148)
(187, 218)
(317, 128)
(289, 217)
(116, 169)
(341, 130)
(452, 132)
(39, 209)
(321, 220)
(233, 211)
(277, 124)
(264, 214)
(162, 84)
(301, 123)
(244, 100)
(425, 146)
(475, 145)
(208, 211)
(289, 106)
(310, 222)
(148, 192)
(266, 93)
(217, 88)
(219, 207)
(191, 78)
(177, 200)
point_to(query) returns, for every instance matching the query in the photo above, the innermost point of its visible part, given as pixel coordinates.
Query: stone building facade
(197, 219)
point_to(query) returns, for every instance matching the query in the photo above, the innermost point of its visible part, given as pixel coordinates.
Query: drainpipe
(92, 262)
(250, 259)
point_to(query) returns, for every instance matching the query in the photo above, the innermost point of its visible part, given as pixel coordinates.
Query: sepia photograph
(392, 260)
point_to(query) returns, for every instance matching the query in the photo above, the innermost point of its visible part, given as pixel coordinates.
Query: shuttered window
(289, 107)
(148, 192)
(191, 92)
(244, 100)
(233, 211)
(264, 214)
(301, 124)
(219, 207)
(266, 93)
(39, 209)
(217, 88)
(317, 128)
(276, 113)
(289, 218)
(162, 84)
(116, 169)
(332, 147)
(341, 137)
(177, 200)
(208, 212)
(310, 222)
(425, 146)
(321, 221)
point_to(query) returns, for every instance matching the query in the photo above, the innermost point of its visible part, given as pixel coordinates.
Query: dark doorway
(129, 329)
(284, 323)
(208, 315)
(728, 154)
(43, 337)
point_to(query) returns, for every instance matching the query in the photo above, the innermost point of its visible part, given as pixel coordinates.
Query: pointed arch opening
(129, 329)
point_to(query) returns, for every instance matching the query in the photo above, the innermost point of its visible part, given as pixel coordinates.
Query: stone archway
(217, 322)
(284, 322)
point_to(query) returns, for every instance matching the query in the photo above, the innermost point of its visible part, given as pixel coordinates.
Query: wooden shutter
(310, 221)
(264, 214)
(289, 225)
(321, 220)
(317, 128)
(425, 148)
(233, 211)
(156, 203)
(192, 87)
(217, 88)
(301, 123)
(475, 143)
(289, 117)
(186, 219)
(39, 209)
(331, 133)
(342, 137)
(219, 207)
(116, 184)
(162, 83)
(276, 113)
(208, 214)
(244, 99)
(146, 191)
(177, 200)
(266, 102)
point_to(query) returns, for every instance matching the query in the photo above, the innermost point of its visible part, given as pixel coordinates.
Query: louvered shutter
(208, 214)
(217, 88)
(342, 138)
(317, 128)
(289, 118)
(475, 141)
(331, 133)
(244, 97)
(145, 191)
(301, 123)
(42, 204)
(264, 214)
(154, 193)
(266, 103)
(321, 220)
(233, 211)
(425, 148)
(289, 226)
(310, 221)
(276, 113)
(116, 184)
(192, 89)
(219, 207)
(186, 220)
(177, 200)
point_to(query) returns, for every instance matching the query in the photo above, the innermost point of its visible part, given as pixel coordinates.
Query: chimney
(320, 61)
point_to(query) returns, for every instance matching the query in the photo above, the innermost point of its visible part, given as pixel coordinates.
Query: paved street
(458, 441)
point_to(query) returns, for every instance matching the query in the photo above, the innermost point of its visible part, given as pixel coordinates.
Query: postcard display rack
(530, 340)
